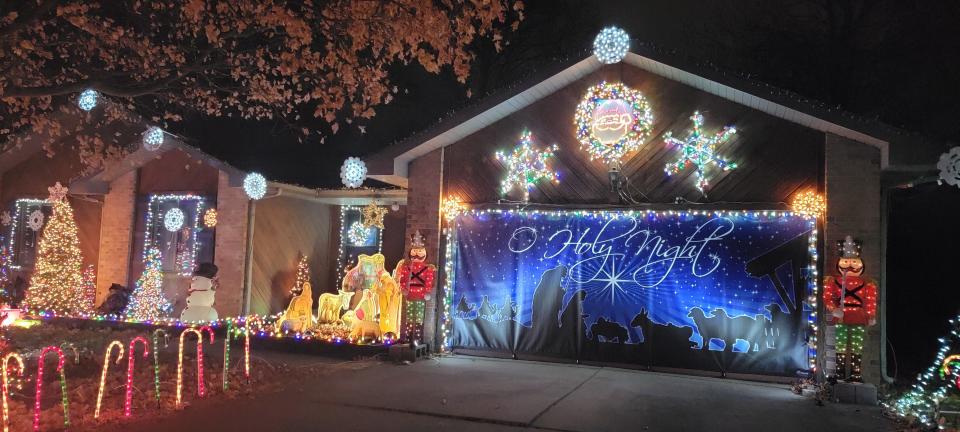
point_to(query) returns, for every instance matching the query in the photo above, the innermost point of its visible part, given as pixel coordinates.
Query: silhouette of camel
(609, 330)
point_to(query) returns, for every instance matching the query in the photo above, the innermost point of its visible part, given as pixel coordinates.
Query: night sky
(890, 60)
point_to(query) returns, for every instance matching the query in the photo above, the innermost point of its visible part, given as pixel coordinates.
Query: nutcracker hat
(848, 247)
(416, 240)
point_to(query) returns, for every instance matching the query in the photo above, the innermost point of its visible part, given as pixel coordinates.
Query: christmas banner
(725, 291)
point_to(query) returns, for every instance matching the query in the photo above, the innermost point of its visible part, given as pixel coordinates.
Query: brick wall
(423, 213)
(853, 208)
(231, 246)
(116, 228)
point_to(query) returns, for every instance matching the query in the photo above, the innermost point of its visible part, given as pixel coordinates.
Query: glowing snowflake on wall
(526, 166)
(611, 45)
(210, 218)
(173, 219)
(612, 120)
(35, 220)
(153, 138)
(255, 185)
(809, 203)
(358, 234)
(353, 172)
(698, 150)
(88, 99)
(949, 166)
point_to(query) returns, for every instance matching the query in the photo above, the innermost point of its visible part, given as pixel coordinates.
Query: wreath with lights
(640, 126)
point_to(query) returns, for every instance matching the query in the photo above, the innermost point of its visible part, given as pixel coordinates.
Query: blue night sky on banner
(666, 264)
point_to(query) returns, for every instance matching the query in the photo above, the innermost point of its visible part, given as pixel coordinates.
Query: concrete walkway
(474, 394)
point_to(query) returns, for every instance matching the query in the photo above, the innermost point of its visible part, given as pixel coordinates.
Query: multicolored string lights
(699, 150)
(103, 372)
(18, 361)
(63, 386)
(612, 120)
(131, 358)
(526, 166)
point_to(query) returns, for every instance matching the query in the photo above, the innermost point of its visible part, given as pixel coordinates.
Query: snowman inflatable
(201, 296)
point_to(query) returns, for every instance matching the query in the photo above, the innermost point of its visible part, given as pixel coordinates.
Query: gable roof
(390, 165)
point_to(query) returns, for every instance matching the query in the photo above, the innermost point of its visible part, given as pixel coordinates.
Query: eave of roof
(391, 164)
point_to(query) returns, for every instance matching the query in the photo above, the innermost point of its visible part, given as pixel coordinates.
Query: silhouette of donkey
(610, 330)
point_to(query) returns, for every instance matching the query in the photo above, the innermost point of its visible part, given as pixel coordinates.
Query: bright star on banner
(526, 166)
(699, 150)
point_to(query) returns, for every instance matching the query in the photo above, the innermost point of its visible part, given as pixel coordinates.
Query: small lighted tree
(89, 288)
(303, 275)
(6, 294)
(147, 301)
(57, 281)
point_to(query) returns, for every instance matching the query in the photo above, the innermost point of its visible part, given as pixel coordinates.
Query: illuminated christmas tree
(89, 288)
(147, 301)
(303, 275)
(57, 281)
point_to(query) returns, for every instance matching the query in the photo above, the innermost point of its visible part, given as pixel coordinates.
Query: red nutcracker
(858, 297)
(415, 278)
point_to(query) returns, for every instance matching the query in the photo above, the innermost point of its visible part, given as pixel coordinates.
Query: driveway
(477, 394)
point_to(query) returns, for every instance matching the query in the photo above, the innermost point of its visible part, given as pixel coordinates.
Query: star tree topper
(526, 166)
(373, 215)
(57, 192)
(698, 150)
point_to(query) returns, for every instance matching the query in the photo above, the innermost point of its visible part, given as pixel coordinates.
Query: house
(120, 211)
(784, 145)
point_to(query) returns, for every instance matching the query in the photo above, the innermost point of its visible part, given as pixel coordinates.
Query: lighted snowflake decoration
(526, 166)
(255, 185)
(611, 45)
(88, 99)
(699, 150)
(373, 216)
(353, 172)
(210, 218)
(5, 218)
(153, 138)
(57, 192)
(612, 120)
(949, 166)
(35, 220)
(358, 234)
(173, 219)
(810, 204)
(451, 208)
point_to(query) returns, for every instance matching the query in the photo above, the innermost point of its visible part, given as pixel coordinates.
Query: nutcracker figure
(415, 278)
(851, 303)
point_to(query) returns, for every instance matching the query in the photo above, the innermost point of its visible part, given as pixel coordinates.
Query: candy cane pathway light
(6, 385)
(131, 357)
(103, 372)
(63, 387)
(200, 390)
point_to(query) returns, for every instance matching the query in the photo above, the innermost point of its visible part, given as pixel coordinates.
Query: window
(174, 227)
(28, 213)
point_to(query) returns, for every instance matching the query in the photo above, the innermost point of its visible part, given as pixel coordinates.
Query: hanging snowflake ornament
(173, 219)
(526, 166)
(88, 99)
(353, 172)
(373, 215)
(698, 150)
(5, 218)
(57, 192)
(153, 138)
(35, 220)
(949, 166)
(358, 234)
(255, 185)
(611, 45)
(612, 120)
